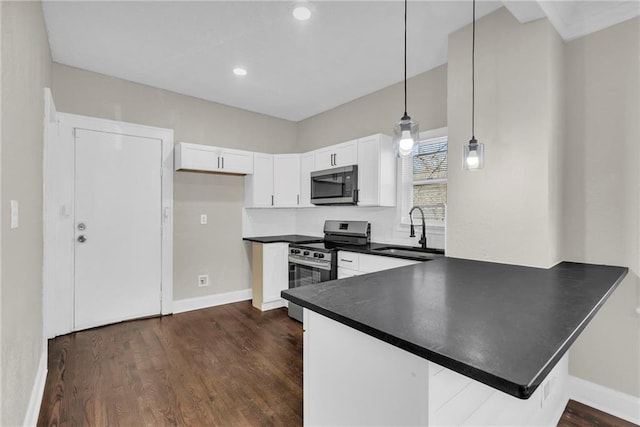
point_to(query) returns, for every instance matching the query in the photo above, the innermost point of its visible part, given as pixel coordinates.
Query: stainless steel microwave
(337, 186)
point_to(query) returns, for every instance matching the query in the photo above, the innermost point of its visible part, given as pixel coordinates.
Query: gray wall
(509, 211)
(379, 111)
(26, 70)
(216, 248)
(602, 203)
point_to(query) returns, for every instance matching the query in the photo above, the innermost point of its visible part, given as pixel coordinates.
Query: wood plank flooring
(230, 366)
(223, 366)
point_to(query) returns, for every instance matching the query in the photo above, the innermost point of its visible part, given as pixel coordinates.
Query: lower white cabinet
(354, 264)
(269, 267)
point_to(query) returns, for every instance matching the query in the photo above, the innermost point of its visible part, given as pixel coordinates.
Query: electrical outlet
(203, 280)
(203, 219)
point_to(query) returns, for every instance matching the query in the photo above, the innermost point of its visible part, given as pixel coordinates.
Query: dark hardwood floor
(228, 365)
(223, 366)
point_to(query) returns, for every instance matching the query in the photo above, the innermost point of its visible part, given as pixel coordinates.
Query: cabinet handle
(346, 260)
(335, 159)
(223, 163)
(331, 159)
(272, 200)
(298, 199)
(218, 162)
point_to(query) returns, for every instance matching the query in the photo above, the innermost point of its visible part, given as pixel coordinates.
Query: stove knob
(305, 253)
(320, 255)
(315, 255)
(296, 251)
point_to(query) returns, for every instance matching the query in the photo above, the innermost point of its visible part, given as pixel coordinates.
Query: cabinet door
(343, 273)
(196, 157)
(286, 180)
(376, 171)
(258, 187)
(324, 158)
(236, 161)
(345, 154)
(373, 263)
(368, 171)
(307, 164)
(275, 271)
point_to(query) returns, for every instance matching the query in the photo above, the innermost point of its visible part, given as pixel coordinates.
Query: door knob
(82, 238)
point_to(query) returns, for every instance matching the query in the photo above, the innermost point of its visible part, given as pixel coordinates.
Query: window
(424, 178)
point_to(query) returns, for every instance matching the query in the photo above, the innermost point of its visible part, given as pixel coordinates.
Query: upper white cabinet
(376, 171)
(307, 165)
(205, 158)
(337, 155)
(275, 181)
(258, 187)
(286, 180)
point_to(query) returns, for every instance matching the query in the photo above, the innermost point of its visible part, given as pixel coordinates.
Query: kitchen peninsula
(446, 342)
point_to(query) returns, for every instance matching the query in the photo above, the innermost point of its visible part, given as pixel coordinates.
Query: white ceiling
(295, 69)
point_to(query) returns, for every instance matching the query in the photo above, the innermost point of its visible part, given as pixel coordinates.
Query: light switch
(14, 214)
(203, 219)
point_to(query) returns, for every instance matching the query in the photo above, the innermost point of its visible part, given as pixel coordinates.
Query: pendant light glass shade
(473, 158)
(405, 134)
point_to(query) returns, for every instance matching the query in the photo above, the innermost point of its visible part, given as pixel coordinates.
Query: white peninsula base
(351, 378)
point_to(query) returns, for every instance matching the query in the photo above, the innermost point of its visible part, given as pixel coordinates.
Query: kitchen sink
(426, 254)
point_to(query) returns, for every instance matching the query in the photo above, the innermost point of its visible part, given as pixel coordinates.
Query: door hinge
(161, 171)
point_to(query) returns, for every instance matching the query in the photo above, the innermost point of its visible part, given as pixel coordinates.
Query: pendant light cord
(405, 57)
(473, 75)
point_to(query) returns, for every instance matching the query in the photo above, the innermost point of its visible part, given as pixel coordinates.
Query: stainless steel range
(313, 263)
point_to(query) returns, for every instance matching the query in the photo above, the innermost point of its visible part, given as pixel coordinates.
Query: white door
(118, 265)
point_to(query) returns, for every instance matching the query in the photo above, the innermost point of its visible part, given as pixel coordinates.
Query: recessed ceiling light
(239, 71)
(301, 13)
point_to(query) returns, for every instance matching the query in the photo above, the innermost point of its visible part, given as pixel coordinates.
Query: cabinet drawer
(372, 263)
(349, 260)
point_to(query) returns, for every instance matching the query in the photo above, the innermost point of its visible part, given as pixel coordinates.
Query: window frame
(404, 187)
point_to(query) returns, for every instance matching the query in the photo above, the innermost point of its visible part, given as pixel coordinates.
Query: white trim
(60, 214)
(605, 399)
(189, 304)
(271, 305)
(33, 411)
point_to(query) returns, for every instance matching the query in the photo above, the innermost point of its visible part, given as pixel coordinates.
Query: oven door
(305, 274)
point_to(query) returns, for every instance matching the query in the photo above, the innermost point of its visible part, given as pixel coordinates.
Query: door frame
(59, 212)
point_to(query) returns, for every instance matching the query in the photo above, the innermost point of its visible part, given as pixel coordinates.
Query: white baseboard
(611, 401)
(33, 411)
(189, 304)
(271, 305)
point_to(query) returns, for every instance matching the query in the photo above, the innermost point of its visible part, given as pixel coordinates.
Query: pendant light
(473, 158)
(405, 132)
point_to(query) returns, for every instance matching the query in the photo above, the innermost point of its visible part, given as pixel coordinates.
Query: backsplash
(310, 221)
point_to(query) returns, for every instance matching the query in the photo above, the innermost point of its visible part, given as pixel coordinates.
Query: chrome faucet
(423, 238)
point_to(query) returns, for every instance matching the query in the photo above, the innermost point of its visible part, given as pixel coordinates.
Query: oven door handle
(321, 266)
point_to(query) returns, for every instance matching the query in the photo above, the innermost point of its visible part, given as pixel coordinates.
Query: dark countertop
(503, 325)
(373, 249)
(369, 249)
(285, 238)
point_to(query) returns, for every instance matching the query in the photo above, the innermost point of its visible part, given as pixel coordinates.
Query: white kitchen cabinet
(275, 182)
(205, 158)
(307, 165)
(343, 154)
(354, 264)
(286, 180)
(258, 187)
(269, 267)
(376, 171)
